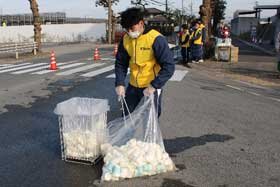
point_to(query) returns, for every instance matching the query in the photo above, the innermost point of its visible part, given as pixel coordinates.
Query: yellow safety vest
(202, 26)
(183, 37)
(143, 65)
(199, 40)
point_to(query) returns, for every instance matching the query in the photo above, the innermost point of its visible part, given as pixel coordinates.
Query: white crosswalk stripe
(113, 75)
(22, 67)
(5, 65)
(83, 68)
(178, 75)
(59, 68)
(34, 69)
(99, 71)
(13, 66)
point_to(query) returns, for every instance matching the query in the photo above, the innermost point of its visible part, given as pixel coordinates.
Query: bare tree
(108, 4)
(37, 22)
(205, 15)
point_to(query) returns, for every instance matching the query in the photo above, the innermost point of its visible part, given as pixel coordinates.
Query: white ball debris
(81, 144)
(134, 159)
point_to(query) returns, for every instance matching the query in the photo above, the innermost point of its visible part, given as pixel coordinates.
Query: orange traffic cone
(96, 55)
(115, 50)
(53, 62)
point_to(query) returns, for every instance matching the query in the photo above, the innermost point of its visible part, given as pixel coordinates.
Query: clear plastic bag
(135, 145)
(82, 125)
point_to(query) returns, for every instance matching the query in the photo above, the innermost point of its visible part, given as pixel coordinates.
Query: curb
(256, 47)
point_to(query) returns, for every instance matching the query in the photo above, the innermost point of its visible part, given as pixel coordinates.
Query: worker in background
(185, 45)
(196, 43)
(203, 29)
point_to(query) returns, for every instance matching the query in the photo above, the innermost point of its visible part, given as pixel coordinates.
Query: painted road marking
(113, 75)
(253, 93)
(35, 69)
(83, 68)
(99, 71)
(178, 75)
(59, 68)
(275, 99)
(13, 66)
(233, 87)
(24, 67)
(5, 65)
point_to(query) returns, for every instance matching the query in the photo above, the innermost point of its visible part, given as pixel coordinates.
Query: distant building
(46, 18)
(242, 23)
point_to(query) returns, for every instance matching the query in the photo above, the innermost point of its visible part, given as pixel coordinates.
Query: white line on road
(59, 68)
(275, 99)
(233, 87)
(13, 66)
(34, 69)
(5, 65)
(99, 71)
(113, 75)
(108, 59)
(178, 75)
(253, 93)
(83, 68)
(24, 67)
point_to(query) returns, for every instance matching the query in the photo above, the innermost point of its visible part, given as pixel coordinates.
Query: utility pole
(109, 21)
(166, 5)
(191, 8)
(182, 11)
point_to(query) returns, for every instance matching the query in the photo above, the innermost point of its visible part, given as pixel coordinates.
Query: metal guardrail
(19, 48)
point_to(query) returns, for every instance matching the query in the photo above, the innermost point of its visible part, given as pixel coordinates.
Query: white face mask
(134, 34)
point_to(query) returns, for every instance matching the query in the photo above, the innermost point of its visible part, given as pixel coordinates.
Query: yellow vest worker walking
(147, 54)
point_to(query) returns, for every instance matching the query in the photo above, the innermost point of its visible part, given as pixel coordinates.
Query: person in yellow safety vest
(203, 29)
(185, 45)
(196, 43)
(147, 54)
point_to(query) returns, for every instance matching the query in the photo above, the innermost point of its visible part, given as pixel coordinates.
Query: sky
(87, 8)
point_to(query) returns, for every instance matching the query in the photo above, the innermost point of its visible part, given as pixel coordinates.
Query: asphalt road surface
(218, 132)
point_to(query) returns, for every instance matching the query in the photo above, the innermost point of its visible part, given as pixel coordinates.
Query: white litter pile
(134, 159)
(81, 144)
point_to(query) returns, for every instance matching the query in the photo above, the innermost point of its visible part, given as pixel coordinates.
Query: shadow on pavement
(257, 73)
(174, 183)
(181, 144)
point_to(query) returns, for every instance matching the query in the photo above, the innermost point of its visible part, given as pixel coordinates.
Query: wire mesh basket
(82, 126)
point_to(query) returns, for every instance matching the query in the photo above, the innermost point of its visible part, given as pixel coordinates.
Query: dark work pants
(134, 95)
(188, 54)
(185, 52)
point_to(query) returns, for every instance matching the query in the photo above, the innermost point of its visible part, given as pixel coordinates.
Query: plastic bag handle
(124, 104)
